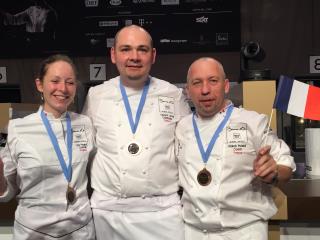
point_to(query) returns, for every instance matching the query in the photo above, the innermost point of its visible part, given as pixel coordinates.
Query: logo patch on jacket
(80, 137)
(237, 136)
(166, 108)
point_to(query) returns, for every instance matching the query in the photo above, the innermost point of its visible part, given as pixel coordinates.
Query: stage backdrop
(87, 27)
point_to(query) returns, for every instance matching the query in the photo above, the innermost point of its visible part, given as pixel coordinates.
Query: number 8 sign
(314, 64)
(3, 75)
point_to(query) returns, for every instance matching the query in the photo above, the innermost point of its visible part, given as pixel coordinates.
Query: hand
(265, 167)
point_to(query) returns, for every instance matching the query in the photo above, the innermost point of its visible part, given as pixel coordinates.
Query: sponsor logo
(91, 3)
(142, 22)
(94, 41)
(115, 2)
(110, 42)
(222, 39)
(202, 19)
(170, 2)
(128, 22)
(164, 40)
(108, 24)
(196, 1)
(143, 1)
(179, 41)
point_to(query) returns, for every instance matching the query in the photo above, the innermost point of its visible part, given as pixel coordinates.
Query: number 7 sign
(97, 72)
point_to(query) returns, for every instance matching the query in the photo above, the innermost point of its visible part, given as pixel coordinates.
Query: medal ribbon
(66, 170)
(133, 124)
(205, 154)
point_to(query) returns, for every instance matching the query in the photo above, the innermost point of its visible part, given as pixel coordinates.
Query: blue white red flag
(298, 98)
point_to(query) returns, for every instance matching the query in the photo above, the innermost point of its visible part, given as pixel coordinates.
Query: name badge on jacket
(166, 108)
(80, 139)
(237, 137)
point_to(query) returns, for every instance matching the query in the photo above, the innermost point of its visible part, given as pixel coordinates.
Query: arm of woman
(8, 167)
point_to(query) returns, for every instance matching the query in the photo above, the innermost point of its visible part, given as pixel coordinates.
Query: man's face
(133, 54)
(207, 87)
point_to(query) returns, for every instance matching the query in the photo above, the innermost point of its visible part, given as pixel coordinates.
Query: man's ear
(226, 86)
(154, 54)
(112, 55)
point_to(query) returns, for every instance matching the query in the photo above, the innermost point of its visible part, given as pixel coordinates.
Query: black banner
(87, 27)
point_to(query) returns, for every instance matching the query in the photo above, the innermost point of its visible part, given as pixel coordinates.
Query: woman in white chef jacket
(44, 161)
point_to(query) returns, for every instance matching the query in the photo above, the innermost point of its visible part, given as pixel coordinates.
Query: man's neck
(135, 84)
(224, 106)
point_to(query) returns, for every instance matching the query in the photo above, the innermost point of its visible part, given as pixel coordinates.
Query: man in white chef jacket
(228, 161)
(134, 173)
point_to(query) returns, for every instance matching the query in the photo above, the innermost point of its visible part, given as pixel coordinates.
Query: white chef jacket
(235, 197)
(117, 174)
(33, 172)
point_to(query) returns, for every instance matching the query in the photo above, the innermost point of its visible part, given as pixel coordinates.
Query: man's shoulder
(103, 88)
(185, 121)
(164, 86)
(248, 115)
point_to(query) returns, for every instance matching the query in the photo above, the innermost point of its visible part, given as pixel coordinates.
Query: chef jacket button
(143, 196)
(204, 231)
(197, 210)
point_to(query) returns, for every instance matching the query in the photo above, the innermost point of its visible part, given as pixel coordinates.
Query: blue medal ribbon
(134, 125)
(66, 170)
(205, 154)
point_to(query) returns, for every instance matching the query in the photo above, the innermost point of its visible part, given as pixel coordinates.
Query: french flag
(298, 98)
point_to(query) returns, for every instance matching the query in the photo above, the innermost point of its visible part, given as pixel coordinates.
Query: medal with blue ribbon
(67, 170)
(134, 147)
(204, 176)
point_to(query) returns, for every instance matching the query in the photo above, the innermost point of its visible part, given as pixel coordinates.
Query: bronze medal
(204, 177)
(70, 195)
(134, 148)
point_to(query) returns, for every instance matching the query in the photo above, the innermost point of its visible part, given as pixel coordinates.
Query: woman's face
(58, 87)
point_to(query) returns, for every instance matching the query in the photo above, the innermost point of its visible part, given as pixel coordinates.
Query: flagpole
(268, 130)
(270, 120)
